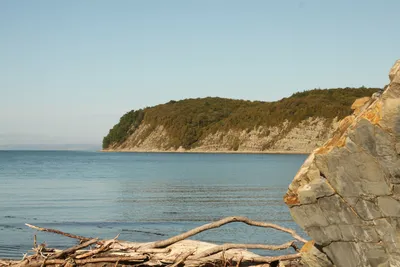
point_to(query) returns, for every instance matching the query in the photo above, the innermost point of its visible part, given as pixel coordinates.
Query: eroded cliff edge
(297, 124)
(303, 138)
(346, 196)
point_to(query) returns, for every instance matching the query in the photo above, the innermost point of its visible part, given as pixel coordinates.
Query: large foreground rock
(346, 196)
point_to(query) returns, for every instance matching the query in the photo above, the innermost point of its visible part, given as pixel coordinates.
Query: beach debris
(175, 251)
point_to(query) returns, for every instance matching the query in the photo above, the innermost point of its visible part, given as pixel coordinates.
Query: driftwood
(81, 238)
(47, 262)
(173, 252)
(69, 251)
(181, 258)
(169, 241)
(225, 247)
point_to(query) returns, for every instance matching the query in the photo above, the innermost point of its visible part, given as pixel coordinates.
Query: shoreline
(282, 152)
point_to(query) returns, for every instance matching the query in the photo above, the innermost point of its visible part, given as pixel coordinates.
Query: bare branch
(34, 242)
(82, 238)
(195, 231)
(276, 258)
(73, 249)
(86, 261)
(225, 247)
(154, 250)
(103, 248)
(181, 258)
(245, 260)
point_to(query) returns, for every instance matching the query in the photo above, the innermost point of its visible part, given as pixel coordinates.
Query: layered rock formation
(304, 138)
(299, 123)
(346, 196)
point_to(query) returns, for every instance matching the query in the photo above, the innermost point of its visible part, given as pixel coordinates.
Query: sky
(70, 69)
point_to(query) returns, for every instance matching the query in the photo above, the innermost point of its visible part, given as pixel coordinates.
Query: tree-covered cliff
(188, 122)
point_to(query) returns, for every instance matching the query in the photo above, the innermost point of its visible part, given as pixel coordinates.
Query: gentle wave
(143, 197)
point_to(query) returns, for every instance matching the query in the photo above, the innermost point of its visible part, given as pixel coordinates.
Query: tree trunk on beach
(174, 251)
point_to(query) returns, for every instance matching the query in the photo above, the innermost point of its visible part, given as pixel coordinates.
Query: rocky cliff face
(346, 196)
(303, 138)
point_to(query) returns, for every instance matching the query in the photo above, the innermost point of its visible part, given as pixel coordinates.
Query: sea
(140, 196)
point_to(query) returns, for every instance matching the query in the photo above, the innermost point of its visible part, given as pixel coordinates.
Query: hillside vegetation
(188, 121)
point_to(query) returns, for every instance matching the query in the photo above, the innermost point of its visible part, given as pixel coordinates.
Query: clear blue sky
(70, 69)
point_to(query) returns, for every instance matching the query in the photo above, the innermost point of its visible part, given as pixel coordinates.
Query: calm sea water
(142, 196)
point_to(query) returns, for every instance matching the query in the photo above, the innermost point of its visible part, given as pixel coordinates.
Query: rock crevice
(346, 196)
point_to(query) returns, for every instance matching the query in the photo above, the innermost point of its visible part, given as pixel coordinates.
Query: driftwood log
(174, 251)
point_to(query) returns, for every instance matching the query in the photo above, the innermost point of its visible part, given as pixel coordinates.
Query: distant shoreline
(209, 152)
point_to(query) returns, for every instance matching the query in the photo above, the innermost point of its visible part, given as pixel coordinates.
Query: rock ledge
(346, 196)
